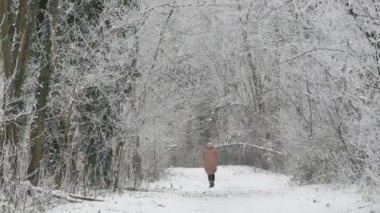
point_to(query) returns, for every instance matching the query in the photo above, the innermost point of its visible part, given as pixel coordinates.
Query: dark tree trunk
(43, 89)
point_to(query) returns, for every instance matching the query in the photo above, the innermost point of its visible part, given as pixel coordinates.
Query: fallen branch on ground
(58, 194)
(84, 198)
(55, 193)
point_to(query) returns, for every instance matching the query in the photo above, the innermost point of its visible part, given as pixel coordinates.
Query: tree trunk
(42, 92)
(5, 50)
(4, 38)
(15, 56)
(254, 82)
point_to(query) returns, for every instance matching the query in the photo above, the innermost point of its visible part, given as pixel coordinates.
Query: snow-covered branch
(2, 20)
(248, 145)
(274, 9)
(310, 51)
(200, 5)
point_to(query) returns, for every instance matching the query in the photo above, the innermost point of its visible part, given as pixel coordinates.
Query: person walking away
(210, 162)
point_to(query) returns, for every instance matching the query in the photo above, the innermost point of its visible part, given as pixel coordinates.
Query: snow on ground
(238, 189)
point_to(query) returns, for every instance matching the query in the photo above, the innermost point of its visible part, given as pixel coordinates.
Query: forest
(106, 94)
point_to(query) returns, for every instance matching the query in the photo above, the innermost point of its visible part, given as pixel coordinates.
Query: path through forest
(238, 189)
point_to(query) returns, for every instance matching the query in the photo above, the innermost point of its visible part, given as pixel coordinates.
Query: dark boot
(211, 179)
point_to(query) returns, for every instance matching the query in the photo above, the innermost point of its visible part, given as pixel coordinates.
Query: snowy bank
(238, 189)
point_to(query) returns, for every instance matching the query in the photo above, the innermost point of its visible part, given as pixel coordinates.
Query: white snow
(238, 189)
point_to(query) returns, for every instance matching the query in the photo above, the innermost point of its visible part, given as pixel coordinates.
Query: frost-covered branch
(274, 9)
(248, 145)
(200, 5)
(310, 51)
(2, 21)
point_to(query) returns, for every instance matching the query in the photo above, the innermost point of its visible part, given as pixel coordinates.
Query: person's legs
(211, 179)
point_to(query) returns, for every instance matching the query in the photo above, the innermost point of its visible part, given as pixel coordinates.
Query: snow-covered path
(238, 190)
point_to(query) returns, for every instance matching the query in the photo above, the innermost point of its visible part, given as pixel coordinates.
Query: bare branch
(310, 51)
(249, 145)
(202, 5)
(161, 37)
(274, 9)
(2, 20)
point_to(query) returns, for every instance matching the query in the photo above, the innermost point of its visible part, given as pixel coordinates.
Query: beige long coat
(210, 159)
